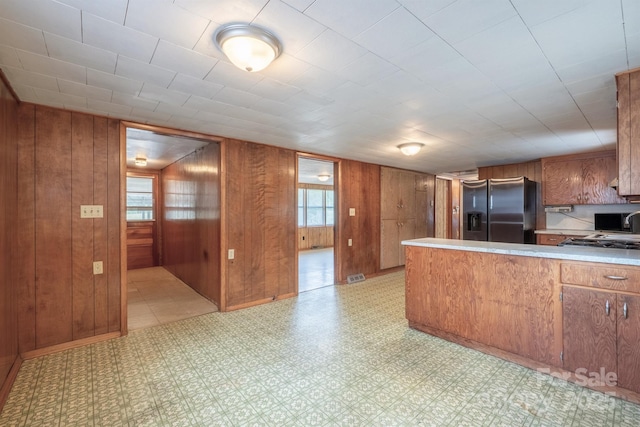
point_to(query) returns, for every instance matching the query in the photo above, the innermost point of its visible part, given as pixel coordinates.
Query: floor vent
(355, 278)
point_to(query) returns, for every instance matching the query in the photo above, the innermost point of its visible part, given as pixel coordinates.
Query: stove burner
(601, 243)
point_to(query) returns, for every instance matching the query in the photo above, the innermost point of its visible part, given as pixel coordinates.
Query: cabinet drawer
(606, 276)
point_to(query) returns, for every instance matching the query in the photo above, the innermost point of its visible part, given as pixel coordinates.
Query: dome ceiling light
(410, 148)
(140, 161)
(324, 177)
(248, 47)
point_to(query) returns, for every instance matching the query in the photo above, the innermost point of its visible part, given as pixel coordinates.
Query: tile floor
(315, 269)
(336, 356)
(156, 297)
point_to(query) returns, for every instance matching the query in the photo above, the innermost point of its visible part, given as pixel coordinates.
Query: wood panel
(141, 242)
(66, 160)
(589, 331)
(629, 342)
(261, 222)
(609, 276)
(628, 152)
(8, 242)
(507, 302)
(442, 197)
(598, 174)
(359, 188)
(315, 237)
(190, 217)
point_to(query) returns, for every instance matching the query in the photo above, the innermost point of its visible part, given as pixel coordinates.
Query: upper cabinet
(629, 133)
(582, 179)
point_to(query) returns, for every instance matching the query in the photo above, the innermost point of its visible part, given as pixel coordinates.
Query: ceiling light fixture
(140, 161)
(323, 177)
(410, 148)
(248, 47)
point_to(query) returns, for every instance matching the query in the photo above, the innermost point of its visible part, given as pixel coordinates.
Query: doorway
(316, 223)
(172, 243)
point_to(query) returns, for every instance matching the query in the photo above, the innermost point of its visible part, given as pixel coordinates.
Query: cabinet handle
(579, 196)
(553, 239)
(625, 310)
(615, 277)
(607, 307)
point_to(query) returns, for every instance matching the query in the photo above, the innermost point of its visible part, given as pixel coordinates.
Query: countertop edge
(600, 255)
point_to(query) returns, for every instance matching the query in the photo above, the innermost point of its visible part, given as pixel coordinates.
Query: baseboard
(8, 382)
(68, 345)
(260, 302)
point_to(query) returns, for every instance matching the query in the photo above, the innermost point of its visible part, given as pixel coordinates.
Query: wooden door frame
(124, 326)
(336, 187)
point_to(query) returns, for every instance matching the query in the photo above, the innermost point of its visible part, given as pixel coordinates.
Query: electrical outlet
(232, 254)
(350, 242)
(97, 267)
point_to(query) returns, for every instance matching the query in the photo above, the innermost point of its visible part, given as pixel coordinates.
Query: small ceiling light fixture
(248, 47)
(410, 148)
(324, 177)
(140, 161)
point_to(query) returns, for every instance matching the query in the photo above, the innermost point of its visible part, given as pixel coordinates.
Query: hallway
(156, 297)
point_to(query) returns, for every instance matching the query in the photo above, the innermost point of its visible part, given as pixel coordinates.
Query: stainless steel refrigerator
(510, 210)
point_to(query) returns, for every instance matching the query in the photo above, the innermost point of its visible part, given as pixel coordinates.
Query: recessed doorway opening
(316, 223)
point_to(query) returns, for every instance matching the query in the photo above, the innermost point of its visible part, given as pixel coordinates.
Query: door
(629, 342)
(589, 330)
(390, 248)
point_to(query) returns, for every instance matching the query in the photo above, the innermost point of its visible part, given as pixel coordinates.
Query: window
(140, 198)
(315, 207)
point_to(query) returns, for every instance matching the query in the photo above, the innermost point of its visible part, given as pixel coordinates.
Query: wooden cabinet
(406, 211)
(628, 146)
(601, 323)
(553, 239)
(580, 179)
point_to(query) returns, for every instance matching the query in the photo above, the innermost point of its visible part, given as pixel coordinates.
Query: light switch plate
(97, 267)
(352, 211)
(232, 254)
(91, 211)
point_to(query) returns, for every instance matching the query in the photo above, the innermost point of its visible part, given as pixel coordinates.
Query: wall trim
(27, 355)
(5, 80)
(260, 302)
(8, 382)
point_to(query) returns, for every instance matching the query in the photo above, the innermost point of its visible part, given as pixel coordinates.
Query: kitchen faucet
(626, 220)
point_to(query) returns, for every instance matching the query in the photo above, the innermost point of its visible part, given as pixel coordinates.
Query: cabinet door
(407, 232)
(598, 173)
(629, 342)
(407, 192)
(389, 243)
(589, 332)
(389, 197)
(422, 214)
(628, 147)
(562, 182)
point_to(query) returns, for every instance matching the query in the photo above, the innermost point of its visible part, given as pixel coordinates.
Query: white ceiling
(158, 149)
(309, 169)
(479, 82)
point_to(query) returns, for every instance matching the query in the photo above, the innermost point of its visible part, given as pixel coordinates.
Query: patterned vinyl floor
(336, 356)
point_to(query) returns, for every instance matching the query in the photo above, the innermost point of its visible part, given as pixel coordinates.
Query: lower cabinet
(601, 334)
(393, 232)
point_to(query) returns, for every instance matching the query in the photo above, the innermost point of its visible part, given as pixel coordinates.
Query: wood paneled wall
(359, 188)
(315, 237)
(191, 220)
(8, 215)
(531, 170)
(260, 223)
(66, 160)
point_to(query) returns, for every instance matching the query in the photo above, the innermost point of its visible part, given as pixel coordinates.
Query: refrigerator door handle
(491, 202)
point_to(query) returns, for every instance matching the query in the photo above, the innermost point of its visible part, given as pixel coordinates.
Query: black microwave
(610, 222)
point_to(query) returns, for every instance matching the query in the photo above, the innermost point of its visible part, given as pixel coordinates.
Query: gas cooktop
(615, 241)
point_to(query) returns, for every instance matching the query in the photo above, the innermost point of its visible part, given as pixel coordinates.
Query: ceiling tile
(152, 16)
(162, 94)
(317, 81)
(464, 18)
(224, 12)
(234, 96)
(111, 109)
(113, 82)
(301, 5)
(82, 90)
(9, 57)
(226, 74)
(285, 69)
(274, 90)
(137, 70)
(25, 93)
(28, 78)
(117, 38)
(397, 32)
(113, 10)
(175, 111)
(424, 9)
(78, 53)
(331, 51)
(186, 61)
(22, 37)
(47, 15)
(188, 84)
(53, 67)
(133, 101)
(68, 100)
(350, 18)
(294, 29)
(610, 63)
(367, 69)
(534, 13)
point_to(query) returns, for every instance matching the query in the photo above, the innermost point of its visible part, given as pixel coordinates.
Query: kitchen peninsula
(574, 312)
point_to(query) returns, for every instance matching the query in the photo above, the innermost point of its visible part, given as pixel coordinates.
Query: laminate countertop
(572, 253)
